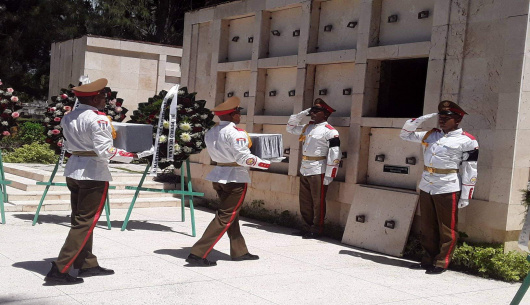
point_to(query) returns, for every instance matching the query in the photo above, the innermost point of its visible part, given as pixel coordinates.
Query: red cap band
(458, 111)
(77, 93)
(224, 112)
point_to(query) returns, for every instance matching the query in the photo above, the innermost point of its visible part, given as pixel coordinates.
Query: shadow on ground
(377, 258)
(41, 267)
(183, 253)
(132, 225)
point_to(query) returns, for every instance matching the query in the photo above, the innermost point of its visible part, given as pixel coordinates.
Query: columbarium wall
(378, 62)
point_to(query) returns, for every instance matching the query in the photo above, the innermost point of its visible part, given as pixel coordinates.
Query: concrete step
(115, 203)
(20, 195)
(40, 172)
(27, 184)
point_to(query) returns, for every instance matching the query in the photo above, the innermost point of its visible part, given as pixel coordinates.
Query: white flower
(154, 135)
(204, 116)
(7, 93)
(180, 92)
(8, 111)
(1, 91)
(187, 149)
(189, 109)
(162, 139)
(59, 105)
(58, 113)
(186, 137)
(46, 120)
(198, 144)
(196, 106)
(111, 112)
(49, 132)
(58, 127)
(179, 106)
(166, 124)
(5, 123)
(177, 148)
(118, 109)
(198, 125)
(185, 126)
(117, 117)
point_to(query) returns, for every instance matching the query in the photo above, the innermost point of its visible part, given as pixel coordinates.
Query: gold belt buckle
(430, 170)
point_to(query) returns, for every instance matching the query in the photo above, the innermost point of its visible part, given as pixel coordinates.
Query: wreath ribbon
(156, 155)
(172, 125)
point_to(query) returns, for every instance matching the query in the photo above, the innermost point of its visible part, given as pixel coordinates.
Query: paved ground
(150, 268)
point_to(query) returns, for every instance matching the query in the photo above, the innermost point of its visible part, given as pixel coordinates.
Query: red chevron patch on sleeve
(239, 129)
(469, 135)
(329, 127)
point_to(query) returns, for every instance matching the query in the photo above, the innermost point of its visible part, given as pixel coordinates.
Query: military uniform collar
(322, 124)
(222, 123)
(85, 107)
(454, 132)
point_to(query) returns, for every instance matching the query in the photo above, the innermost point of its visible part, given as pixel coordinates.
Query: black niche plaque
(396, 169)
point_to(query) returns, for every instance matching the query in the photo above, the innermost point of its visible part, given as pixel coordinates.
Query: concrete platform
(150, 269)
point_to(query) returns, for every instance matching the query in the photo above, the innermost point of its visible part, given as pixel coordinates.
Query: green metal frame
(522, 290)
(50, 183)
(3, 190)
(183, 192)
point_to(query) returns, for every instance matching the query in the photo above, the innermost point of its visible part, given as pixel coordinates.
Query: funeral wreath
(192, 123)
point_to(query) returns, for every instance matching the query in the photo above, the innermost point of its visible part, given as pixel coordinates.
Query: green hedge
(31, 153)
(484, 260)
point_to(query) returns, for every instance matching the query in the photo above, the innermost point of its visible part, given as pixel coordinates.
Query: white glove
(304, 112)
(413, 124)
(462, 203)
(146, 153)
(327, 180)
(423, 118)
(277, 160)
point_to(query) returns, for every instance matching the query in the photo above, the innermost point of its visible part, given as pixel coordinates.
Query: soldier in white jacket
(447, 183)
(88, 135)
(320, 162)
(229, 147)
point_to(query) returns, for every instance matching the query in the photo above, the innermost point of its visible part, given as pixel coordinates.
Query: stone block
(438, 42)
(507, 113)
(147, 82)
(93, 60)
(129, 81)
(383, 52)
(511, 74)
(103, 42)
(441, 12)
(504, 149)
(280, 184)
(110, 62)
(379, 206)
(501, 181)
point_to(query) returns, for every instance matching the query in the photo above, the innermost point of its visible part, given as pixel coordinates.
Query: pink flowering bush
(9, 106)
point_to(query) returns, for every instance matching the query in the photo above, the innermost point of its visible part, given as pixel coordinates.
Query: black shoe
(94, 271)
(435, 270)
(54, 277)
(246, 257)
(310, 235)
(299, 233)
(194, 260)
(420, 267)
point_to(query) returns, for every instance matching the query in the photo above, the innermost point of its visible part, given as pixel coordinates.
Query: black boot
(55, 277)
(195, 260)
(246, 257)
(94, 271)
